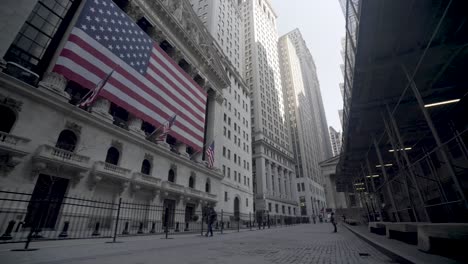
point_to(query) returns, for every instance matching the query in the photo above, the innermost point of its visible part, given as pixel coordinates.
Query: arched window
(171, 176)
(207, 186)
(113, 156)
(8, 119)
(67, 140)
(191, 182)
(146, 167)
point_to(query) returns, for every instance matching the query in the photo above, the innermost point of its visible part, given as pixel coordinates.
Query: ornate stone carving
(149, 157)
(73, 127)
(55, 83)
(100, 108)
(134, 11)
(117, 144)
(134, 124)
(156, 35)
(15, 105)
(182, 149)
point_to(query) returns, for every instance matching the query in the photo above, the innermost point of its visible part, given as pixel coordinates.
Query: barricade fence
(24, 219)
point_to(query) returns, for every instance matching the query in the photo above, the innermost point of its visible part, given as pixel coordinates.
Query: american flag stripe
(91, 67)
(210, 155)
(122, 96)
(146, 81)
(89, 53)
(124, 82)
(181, 75)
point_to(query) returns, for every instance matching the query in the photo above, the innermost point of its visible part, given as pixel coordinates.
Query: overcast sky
(321, 23)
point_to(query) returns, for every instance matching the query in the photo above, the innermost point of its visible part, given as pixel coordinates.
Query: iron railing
(26, 218)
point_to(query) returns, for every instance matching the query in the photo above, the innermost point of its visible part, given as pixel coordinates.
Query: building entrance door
(236, 208)
(46, 201)
(170, 206)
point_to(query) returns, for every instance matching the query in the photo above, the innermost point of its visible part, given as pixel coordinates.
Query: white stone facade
(43, 113)
(310, 192)
(223, 19)
(224, 22)
(335, 140)
(273, 160)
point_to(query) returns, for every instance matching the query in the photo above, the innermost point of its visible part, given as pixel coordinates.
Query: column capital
(100, 108)
(55, 84)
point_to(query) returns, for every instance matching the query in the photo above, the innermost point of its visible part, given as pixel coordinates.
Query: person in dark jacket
(333, 221)
(210, 219)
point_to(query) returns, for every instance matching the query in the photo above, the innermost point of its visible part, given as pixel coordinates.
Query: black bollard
(186, 227)
(177, 227)
(7, 234)
(153, 228)
(125, 231)
(140, 228)
(96, 230)
(64, 232)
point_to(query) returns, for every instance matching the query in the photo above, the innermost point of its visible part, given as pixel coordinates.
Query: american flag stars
(109, 27)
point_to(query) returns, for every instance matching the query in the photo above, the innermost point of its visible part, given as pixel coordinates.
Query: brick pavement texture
(296, 245)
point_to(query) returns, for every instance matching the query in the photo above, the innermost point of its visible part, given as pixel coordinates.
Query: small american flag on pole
(166, 129)
(89, 98)
(210, 155)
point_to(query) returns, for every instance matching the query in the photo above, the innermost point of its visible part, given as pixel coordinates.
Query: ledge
(16, 86)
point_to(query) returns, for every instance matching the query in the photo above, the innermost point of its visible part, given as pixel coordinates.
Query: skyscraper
(273, 160)
(301, 87)
(224, 22)
(335, 141)
(312, 91)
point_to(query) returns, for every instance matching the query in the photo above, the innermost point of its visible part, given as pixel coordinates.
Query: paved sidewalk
(405, 252)
(299, 244)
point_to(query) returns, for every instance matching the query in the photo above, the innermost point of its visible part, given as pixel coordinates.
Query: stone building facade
(272, 157)
(49, 143)
(224, 22)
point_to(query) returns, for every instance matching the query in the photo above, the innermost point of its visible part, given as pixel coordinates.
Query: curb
(388, 252)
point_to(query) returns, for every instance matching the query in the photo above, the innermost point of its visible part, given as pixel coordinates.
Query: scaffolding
(406, 110)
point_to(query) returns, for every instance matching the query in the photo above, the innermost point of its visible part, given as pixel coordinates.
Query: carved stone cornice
(11, 103)
(133, 10)
(177, 20)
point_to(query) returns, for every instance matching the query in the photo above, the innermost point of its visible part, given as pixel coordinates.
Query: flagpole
(203, 147)
(162, 125)
(105, 79)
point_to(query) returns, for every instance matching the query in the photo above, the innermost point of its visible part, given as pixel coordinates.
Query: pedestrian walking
(210, 219)
(332, 220)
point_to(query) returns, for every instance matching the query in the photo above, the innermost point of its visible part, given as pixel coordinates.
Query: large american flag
(146, 81)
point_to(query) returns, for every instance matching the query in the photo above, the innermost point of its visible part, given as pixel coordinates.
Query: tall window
(146, 167)
(191, 183)
(208, 186)
(113, 156)
(171, 175)
(66, 140)
(40, 35)
(8, 119)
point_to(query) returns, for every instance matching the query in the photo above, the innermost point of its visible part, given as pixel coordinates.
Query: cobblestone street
(298, 244)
